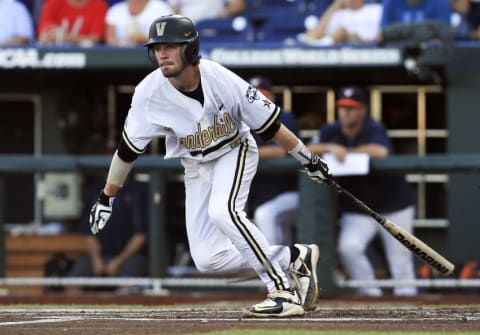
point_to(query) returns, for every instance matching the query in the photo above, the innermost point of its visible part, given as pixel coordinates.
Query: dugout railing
(158, 169)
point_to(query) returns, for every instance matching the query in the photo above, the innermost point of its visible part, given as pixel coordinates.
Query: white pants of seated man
(357, 231)
(276, 218)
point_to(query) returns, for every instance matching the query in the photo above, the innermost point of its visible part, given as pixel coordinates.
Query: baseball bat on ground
(414, 244)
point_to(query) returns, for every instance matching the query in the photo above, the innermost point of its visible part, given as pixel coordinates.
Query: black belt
(233, 141)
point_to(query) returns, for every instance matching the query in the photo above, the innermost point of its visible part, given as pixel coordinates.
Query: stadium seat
(281, 28)
(222, 30)
(259, 11)
(274, 7)
(315, 7)
(113, 2)
(276, 20)
(292, 7)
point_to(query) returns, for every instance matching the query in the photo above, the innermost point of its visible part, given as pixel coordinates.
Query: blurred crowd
(311, 22)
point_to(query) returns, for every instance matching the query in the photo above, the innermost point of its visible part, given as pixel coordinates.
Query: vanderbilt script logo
(204, 137)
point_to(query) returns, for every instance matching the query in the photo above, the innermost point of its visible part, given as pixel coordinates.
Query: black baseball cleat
(304, 271)
(277, 305)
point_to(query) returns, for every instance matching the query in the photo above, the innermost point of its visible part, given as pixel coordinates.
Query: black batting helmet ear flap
(151, 55)
(191, 52)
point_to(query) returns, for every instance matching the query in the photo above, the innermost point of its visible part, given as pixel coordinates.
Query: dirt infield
(339, 314)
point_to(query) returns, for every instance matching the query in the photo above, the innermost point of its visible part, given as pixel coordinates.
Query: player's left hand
(100, 213)
(317, 170)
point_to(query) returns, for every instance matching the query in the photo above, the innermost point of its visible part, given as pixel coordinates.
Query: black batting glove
(317, 170)
(100, 213)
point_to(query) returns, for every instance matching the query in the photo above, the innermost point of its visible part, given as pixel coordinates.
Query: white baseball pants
(357, 231)
(220, 236)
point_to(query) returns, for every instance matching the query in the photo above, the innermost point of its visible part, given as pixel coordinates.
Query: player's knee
(202, 265)
(219, 213)
(207, 263)
(201, 261)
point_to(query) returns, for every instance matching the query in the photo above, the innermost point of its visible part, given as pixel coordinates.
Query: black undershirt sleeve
(271, 131)
(125, 153)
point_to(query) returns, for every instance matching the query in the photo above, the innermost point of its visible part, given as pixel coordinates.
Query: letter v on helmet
(160, 28)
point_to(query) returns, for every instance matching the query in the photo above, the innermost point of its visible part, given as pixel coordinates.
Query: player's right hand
(317, 170)
(100, 213)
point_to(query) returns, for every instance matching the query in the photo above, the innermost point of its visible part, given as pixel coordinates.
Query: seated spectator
(77, 22)
(410, 11)
(468, 12)
(274, 197)
(119, 250)
(345, 21)
(128, 21)
(412, 20)
(197, 10)
(16, 24)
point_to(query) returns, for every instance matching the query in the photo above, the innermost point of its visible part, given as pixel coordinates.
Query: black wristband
(104, 199)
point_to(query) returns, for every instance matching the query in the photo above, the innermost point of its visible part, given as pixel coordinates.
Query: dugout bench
(26, 255)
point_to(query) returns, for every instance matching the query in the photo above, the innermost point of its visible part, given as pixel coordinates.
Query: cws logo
(30, 58)
(251, 94)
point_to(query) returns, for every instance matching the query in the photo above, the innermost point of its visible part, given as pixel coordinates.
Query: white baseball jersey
(202, 133)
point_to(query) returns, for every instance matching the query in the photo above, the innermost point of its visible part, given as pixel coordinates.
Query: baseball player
(205, 112)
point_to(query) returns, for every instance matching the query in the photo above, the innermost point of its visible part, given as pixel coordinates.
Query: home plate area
(194, 320)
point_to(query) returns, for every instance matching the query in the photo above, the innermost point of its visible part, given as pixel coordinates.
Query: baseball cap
(261, 83)
(351, 96)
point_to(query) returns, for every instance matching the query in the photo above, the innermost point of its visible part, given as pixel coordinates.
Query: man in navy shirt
(390, 195)
(120, 250)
